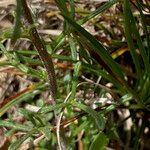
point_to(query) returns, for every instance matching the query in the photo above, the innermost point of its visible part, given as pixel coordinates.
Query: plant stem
(41, 49)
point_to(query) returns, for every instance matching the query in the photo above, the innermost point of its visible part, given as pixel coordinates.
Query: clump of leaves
(116, 71)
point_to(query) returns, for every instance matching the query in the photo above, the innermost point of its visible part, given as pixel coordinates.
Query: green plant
(129, 90)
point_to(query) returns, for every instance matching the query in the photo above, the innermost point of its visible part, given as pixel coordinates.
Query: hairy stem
(41, 49)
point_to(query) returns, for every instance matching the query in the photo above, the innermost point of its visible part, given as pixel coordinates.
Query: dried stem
(41, 49)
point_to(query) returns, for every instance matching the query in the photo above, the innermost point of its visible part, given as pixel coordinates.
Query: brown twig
(7, 100)
(41, 49)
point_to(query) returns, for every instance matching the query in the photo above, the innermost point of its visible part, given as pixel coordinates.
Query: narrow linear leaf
(99, 119)
(100, 142)
(128, 33)
(97, 47)
(83, 127)
(77, 69)
(62, 6)
(139, 41)
(73, 48)
(101, 9)
(33, 72)
(16, 144)
(144, 27)
(44, 131)
(58, 41)
(104, 74)
(5, 51)
(14, 125)
(72, 8)
(24, 95)
(17, 28)
(30, 60)
(47, 109)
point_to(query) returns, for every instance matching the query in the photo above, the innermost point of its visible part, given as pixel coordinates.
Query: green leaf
(27, 70)
(5, 51)
(17, 28)
(47, 109)
(14, 125)
(58, 42)
(113, 134)
(77, 69)
(137, 36)
(101, 9)
(100, 142)
(83, 127)
(96, 47)
(127, 24)
(5, 33)
(46, 131)
(99, 72)
(22, 97)
(17, 143)
(73, 48)
(62, 6)
(145, 25)
(72, 8)
(98, 118)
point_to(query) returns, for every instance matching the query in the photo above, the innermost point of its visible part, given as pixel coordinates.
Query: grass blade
(101, 9)
(17, 28)
(23, 95)
(127, 26)
(97, 47)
